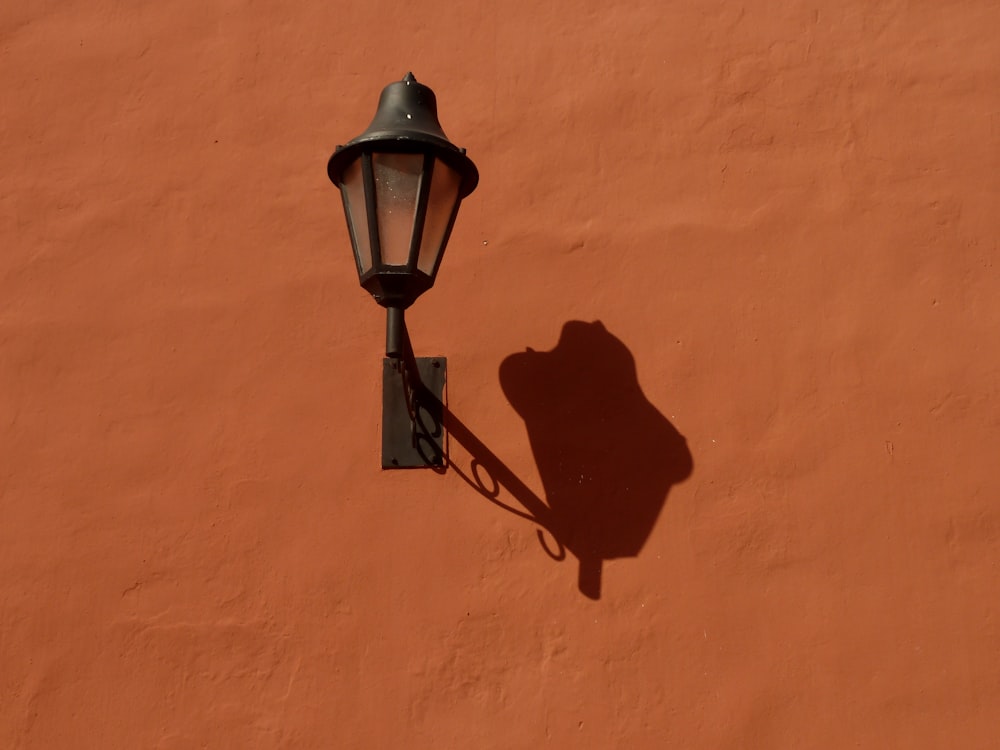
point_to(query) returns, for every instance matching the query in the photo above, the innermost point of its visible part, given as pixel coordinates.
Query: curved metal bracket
(413, 432)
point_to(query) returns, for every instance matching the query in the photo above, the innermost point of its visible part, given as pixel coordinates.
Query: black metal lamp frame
(405, 122)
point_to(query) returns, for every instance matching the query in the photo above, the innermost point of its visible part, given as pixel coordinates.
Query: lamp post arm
(400, 351)
(397, 340)
(415, 393)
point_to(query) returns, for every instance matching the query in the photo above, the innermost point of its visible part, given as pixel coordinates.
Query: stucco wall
(784, 213)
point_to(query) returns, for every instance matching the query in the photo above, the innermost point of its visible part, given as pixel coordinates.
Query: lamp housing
(402, 182)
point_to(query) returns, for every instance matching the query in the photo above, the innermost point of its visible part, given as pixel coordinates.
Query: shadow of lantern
(607, 458)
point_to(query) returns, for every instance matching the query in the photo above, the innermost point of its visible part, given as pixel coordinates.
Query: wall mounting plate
(416, 443)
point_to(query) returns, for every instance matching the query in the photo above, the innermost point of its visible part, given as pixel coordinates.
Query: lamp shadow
(606, 456)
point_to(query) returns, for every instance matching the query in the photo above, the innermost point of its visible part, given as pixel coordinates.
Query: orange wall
(786, 213)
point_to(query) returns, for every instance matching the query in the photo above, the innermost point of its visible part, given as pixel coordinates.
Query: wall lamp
(402, 182)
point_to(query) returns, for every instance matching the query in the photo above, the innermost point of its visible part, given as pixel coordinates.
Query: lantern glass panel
(353, 190)
(397, 185)
(441, 201)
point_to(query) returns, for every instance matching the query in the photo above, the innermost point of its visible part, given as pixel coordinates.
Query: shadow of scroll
(499, 476)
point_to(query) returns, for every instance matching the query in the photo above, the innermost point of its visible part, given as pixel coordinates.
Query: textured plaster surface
(787, 212)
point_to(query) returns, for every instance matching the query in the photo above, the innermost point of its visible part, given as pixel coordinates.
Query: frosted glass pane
(353, 189)
(397, 181)
(440, 204)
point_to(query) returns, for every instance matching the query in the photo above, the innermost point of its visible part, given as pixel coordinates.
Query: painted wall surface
(779, 446)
